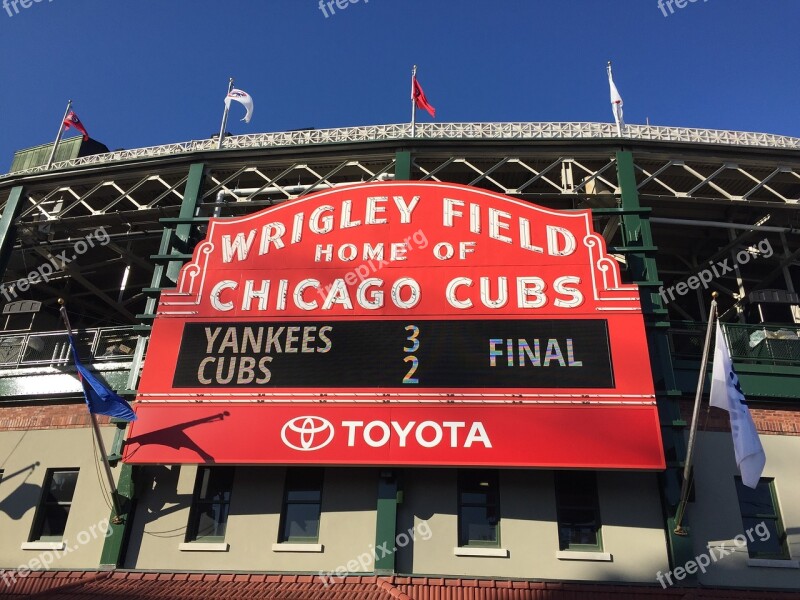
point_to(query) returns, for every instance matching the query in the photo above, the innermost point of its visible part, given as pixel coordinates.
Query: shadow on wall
(24, 497)
(157, 497)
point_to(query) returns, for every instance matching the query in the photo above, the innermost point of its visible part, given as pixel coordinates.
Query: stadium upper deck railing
(441, 131)
(51, 348)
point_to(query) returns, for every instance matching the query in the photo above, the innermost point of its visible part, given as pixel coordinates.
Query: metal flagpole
(117, 512)
(58, 137)
(413, 103)
(225, 116)
(681, 510)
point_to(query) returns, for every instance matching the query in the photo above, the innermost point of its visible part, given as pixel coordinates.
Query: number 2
(414, 363)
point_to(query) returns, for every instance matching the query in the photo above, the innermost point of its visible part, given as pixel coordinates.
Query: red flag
(420, 100)
(73, 121)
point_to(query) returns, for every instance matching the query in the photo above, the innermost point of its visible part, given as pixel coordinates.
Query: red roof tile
(137, 585)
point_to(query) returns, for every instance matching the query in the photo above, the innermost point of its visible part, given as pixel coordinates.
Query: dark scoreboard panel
(410, 354)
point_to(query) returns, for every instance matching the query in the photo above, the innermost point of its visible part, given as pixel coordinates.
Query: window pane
(216, 484)
(755, 501)
(302, 479)
(577, 526)
(478, 511)
(212, 520)
(209, 516)
(478, 524)
(577, 508)
(301, 522)
(54, 522)
(62, 486)
(303, 495)
(51, 518)
(575, 488)
(302, 504)
(772, 545)
(474, 498)
(760, 511)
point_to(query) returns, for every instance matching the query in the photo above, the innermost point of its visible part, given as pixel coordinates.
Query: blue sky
(150, 72)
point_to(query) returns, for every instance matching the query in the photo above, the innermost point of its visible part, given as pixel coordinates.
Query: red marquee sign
(400, 323)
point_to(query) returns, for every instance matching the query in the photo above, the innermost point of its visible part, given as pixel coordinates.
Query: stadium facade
(370, 365)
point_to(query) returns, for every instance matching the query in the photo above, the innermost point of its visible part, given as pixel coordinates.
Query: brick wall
(769, 419)
(52, 416)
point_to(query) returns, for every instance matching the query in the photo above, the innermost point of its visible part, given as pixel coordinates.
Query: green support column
(386, 524)
(402, 165)
(192, 197)
(386, 511)
(8, 231)
(172, 242)
(116, 537)
(642, 265)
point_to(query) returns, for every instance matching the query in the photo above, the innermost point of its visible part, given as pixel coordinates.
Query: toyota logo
(310, 433)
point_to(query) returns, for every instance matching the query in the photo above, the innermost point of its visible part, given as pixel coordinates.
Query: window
(211, 505)
(302, 505)
(578, 511)
(761, 516)
(478, 509)
(51, 518)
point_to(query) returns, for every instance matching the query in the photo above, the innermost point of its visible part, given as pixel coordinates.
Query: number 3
(412, 338)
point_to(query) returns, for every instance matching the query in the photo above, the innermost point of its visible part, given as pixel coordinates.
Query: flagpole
(58, 137)
(225, 116)
(114, 498)
(413, 103)
(684, 498)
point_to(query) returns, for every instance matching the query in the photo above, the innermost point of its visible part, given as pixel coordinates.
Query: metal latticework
(711, 195)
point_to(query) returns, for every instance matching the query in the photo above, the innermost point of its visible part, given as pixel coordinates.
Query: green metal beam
(402, 165)
(116, 537)
(637, 237)
(192, 196)
(8, 231)
(173, 242)
(386, 524)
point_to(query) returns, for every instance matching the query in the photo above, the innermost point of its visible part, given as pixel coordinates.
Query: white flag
(727, 395)
(616, 101)
(242, 98)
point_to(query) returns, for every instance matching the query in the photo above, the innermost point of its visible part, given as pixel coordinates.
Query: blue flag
(100, 399)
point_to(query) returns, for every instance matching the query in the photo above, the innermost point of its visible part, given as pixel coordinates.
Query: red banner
(597, 437)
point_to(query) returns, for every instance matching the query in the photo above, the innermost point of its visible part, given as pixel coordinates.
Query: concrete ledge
(203, 547)
(43, 546)
(286, 547)
(728, 545)
(493, 552)
(773, 563)
(576, 555)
